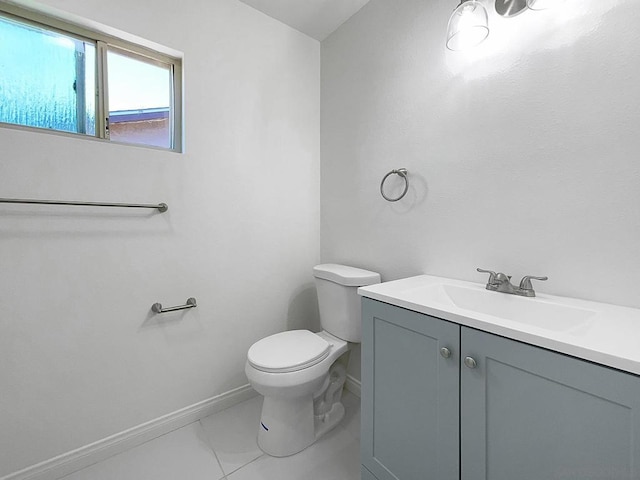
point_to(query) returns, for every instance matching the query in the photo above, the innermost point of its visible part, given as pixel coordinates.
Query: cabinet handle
(445, 352)
(470, 362)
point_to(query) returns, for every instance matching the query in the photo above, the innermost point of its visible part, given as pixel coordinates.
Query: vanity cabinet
(487, 407)
(410, 393)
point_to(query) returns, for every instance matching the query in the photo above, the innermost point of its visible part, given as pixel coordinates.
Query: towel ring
(402, 172)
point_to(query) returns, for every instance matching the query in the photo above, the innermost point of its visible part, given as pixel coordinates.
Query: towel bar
(157, 307)
(161, 207)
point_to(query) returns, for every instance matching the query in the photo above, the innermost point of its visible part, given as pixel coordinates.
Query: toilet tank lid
(344, 275)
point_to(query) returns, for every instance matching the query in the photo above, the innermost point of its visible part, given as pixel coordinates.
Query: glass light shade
(542, 4)
(468, 26)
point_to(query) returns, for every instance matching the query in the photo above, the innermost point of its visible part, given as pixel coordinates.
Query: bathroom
(520, 156)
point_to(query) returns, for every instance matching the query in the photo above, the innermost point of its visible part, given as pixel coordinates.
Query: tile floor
(223, 446)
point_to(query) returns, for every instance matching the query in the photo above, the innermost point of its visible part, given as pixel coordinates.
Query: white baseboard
(82, 457)
(351, 384)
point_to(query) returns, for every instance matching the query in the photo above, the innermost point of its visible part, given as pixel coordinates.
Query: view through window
(139, 100)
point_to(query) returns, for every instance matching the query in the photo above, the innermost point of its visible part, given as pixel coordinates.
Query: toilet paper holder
(157, 307)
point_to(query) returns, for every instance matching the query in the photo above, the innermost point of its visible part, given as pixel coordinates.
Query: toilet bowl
(297, 371)
(288, 423)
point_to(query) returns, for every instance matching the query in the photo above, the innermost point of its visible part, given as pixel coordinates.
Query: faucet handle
(502, 277)
(492, 275)
(525, 283)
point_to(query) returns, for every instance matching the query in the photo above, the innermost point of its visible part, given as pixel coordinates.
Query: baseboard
(82, 457)
(351, 384)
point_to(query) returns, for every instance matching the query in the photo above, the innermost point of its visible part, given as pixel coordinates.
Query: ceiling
(316, 18)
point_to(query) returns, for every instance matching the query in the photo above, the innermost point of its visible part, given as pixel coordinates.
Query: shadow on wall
(303, 313)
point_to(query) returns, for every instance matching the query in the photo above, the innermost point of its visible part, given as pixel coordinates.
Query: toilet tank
(338, 300)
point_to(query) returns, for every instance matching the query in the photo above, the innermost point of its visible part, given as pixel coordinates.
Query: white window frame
(103, 44)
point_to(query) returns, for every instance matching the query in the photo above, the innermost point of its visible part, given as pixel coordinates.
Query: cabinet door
(410, 394)
(366, 474)
(531, 414)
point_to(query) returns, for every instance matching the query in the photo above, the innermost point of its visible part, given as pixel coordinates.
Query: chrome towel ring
(402, 172)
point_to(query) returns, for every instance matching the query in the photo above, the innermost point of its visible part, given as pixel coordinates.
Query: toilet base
(324, 423)
(288, 426)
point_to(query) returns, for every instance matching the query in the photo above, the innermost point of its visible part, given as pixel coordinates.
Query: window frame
(103, 42)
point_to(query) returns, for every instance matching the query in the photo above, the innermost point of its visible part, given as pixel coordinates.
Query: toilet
(296, 371)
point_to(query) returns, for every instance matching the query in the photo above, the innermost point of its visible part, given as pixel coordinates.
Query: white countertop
(610, 335)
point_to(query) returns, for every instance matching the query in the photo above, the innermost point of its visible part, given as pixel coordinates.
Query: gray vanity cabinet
(510, 411)
(410, 395)
(530, 414)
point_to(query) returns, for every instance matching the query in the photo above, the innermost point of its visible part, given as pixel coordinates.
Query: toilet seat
(288, 351)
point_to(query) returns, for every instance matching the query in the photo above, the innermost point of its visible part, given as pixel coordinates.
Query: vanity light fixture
(468, 25)
(511, 8)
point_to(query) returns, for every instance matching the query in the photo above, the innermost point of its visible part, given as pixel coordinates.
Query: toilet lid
(288, 351)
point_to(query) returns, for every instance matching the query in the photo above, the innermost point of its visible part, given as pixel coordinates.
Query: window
(45, 82)
(139, 99)
(61, 77)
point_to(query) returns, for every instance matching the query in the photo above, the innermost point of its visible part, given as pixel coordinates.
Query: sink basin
(536, 312)
(533, 311)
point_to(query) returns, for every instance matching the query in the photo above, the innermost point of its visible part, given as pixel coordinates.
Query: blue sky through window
(136, 85)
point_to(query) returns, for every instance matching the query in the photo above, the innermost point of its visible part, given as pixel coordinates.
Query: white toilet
(297, 372)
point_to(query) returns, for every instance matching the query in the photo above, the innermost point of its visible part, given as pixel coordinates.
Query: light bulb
(468, 26)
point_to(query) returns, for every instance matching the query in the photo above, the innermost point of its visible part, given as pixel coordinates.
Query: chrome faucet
(499, 282)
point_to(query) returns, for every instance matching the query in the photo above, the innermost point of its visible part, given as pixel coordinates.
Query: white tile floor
(223, 446)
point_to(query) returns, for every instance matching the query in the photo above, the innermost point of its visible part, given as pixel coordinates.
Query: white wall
(316, 18)
(523, 153)
(81, 357)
